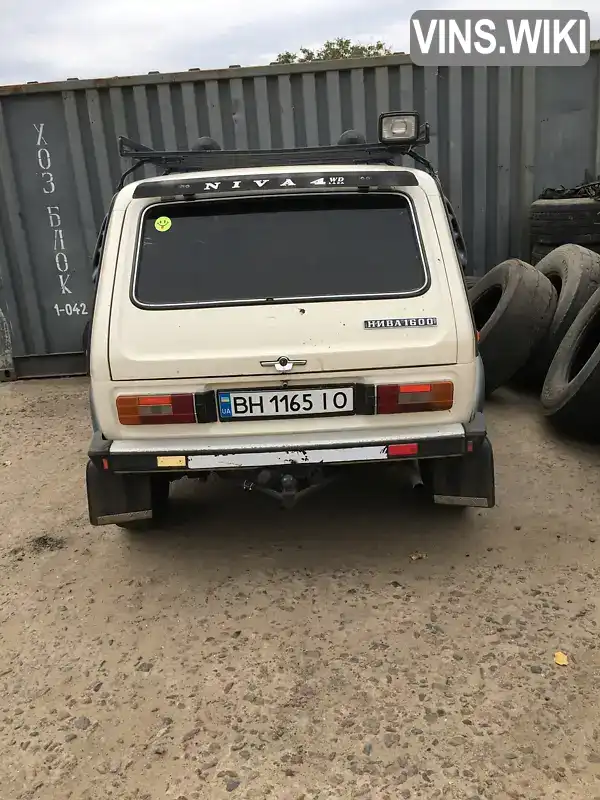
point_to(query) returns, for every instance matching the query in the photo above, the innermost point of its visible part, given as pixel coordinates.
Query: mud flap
(114, 499)
(465, 480)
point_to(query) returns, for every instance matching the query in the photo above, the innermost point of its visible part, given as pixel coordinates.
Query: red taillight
(408, 398)
(169, 409)
(395, 450)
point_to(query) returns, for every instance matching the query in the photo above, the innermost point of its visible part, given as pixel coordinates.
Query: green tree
(333, 50)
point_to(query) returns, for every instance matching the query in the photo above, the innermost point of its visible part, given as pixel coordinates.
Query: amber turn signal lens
(169, 409)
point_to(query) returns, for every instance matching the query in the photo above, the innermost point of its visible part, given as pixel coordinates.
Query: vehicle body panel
(140, 351)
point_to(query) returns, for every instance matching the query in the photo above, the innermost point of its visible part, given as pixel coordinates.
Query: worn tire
(572, 386)
(575, 220)
(539, 251)
(513, 306)
(471, 280)
(574, 271)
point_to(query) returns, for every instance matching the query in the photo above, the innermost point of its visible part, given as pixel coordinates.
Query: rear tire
(160, 487)
(426, 493)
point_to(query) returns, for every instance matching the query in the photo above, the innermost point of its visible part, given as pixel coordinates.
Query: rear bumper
(187, 456)
(122, 477)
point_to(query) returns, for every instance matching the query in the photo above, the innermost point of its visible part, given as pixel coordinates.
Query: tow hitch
(288, 489)
(285, 488)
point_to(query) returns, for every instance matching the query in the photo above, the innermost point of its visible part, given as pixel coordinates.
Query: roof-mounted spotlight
(399, 128)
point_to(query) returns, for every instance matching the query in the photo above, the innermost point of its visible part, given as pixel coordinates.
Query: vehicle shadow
(367, 519)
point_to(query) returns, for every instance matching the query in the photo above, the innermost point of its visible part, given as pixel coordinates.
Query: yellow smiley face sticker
(163, 224)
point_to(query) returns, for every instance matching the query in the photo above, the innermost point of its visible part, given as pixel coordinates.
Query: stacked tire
(540, 326)
(513, 306)
(565, 220)
(574, 271)
(572, 380)
(572, 387)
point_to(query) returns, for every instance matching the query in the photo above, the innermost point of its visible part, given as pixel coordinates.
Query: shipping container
(498, 137)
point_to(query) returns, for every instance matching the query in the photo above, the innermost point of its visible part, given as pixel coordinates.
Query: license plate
(286, 403)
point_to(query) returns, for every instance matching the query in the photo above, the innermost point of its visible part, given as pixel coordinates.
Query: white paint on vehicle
(338, 455)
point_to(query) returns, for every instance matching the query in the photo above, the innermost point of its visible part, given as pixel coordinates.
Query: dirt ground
(248, 652)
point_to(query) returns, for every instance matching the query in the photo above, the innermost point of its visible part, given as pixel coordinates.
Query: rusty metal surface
(499, 136)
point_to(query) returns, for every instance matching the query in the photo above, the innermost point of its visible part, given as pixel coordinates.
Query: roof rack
(185, 160)
(352, 148)
(398, 132)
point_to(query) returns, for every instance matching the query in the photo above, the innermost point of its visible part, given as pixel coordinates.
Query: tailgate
(342, 283)
(216, 342)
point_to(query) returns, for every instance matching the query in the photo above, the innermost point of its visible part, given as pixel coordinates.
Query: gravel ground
(355, 647)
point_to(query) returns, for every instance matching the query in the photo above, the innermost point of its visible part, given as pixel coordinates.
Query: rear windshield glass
(277, 249)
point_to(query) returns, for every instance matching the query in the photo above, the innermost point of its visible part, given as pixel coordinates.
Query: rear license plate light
(169, 409)
(412, 397)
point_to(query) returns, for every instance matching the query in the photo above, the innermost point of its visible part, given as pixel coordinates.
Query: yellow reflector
(171, 461)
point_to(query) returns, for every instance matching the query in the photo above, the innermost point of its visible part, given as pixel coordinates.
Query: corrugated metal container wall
(499, 135)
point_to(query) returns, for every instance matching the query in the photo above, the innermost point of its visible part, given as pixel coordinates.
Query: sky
(41, 41)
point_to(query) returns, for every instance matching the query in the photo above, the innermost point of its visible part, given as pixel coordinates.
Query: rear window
(261, 250)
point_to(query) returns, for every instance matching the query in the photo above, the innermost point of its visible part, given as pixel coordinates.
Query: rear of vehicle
(275, 336)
